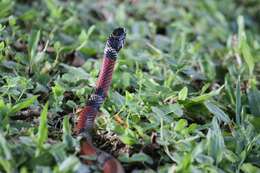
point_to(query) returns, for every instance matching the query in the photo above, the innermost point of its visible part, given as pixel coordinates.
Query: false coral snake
(87, 116)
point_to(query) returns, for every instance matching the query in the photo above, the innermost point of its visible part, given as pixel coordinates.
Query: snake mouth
(117, 38)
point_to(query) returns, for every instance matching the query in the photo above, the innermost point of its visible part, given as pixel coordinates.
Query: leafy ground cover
(185, 94)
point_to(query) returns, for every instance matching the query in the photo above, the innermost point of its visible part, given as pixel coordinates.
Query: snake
(86, 119)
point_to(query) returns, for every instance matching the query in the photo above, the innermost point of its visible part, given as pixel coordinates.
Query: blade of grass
(26, 103)
(238, 102)
(43, 130)
(207, 96)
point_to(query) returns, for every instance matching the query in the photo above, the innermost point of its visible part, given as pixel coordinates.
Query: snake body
(87, 116)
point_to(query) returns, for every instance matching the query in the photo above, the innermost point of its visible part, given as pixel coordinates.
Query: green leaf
(247, 55)
(24, 104)
(2, 27)
(174, 108)
(7, 165)
(69, 164)
(58, 90)
(5, 155)
(254, 101)
(220, 115)
(183, 93)
(67, 138)
(241, 30)
(249, 168)
(5, 6)
(215, 142)
(4, 113)
(54, 8)
(4, 147)
(2, 44)
(141, 157)
(160, 114)
(238, 102)
(84, 37)
(43, 130)
(185, 165)
(59, 153)
(128, 137)
(255, 121)
(66, 126)
(181, 124)
(33, 44)
(74, 73)
(231, 156)
(207, 96)
(243, 45)
(137, 157)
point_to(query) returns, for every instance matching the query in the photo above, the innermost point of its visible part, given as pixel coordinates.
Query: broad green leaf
(220, 115)
(58, 90)
(5, 6)
(5, 155)
(141, 157)
(69, 164)
(185, 164)
(183, 94)
(160, 114)
(5, 109)
(54, 8)
(243, 45)
(128, 137)
(180, 125)
(84, 37)
(43, 129)
(75, 73)
(231, 156)
(254, 101)
(128, 140)
(215, 142)
(255, 121)
(4, 112)
(174, 108)
(247, 55)
(24, 170)
(59, 152)
(249, 168)
(7, 165)
(2, 44)
(1, 28)
(137, 157)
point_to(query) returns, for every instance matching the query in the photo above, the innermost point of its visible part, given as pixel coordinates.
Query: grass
(185, 94)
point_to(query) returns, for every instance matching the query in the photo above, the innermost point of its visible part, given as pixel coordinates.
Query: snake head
(117, 39)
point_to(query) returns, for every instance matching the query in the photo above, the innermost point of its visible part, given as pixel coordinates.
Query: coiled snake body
(87, 116)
